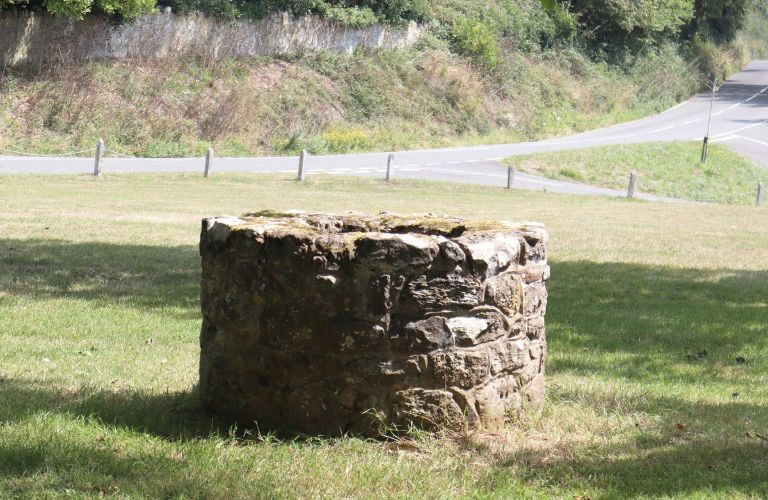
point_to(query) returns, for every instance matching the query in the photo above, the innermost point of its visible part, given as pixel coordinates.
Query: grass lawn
(650, 306)
(671, 169)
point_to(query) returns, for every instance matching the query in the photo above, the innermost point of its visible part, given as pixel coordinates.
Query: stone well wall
(331, 324)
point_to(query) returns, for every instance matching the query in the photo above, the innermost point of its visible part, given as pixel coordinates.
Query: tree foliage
(628, 23)
(347, 11)
(604, 23)
(79, 8)
(639, 18)
(354, 11)
(720, 19)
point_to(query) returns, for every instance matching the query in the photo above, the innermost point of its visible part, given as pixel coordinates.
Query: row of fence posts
(511, 171)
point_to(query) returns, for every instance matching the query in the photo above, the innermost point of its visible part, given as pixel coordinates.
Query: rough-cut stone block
(331, 324)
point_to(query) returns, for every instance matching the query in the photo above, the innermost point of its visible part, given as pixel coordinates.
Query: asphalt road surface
(739, 119)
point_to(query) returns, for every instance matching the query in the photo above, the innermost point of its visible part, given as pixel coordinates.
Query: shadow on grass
(657, 462)
(174, 416)
(669, 330)
(144, 276)
(657, 324)
(635, 323)
(712, 456)
(64, 445)
(165, 278)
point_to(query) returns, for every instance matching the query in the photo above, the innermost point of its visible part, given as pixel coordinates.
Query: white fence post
(390, 164)
(99, 155)
(511, 177)
(632, 184)
(760, 194)
(208, 162)
(302, 159)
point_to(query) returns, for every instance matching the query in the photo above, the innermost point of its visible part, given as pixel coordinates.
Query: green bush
(647, 17)
(620, 28)
(721, 19)
(72, 8)
(353, 17)
(711, 61)
(755, 30)
(79, 8)
(476, 39)
(126, 8)
(565, 26)
(225, 9)
(663, 75)
(356, 13)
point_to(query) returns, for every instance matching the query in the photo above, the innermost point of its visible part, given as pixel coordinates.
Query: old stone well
(329, 324)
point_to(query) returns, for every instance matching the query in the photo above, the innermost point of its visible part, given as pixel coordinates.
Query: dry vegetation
(322, 102)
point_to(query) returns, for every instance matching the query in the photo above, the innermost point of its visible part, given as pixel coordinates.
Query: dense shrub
(228, 9)
(79, 8)
(348, 12)
(755, 31)
(640, 19)
(473, 38)
(720, 19)
(561, 28)
(613, 29)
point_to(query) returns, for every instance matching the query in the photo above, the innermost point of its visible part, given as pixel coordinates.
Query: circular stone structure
(333, 324)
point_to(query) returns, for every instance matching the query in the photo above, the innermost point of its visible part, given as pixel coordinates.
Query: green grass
(671, 169)
(99, 346)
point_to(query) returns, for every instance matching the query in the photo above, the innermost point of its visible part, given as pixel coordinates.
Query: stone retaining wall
(332, 324)
(41, 38)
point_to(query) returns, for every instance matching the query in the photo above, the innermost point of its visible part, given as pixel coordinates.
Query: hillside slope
(486, 72)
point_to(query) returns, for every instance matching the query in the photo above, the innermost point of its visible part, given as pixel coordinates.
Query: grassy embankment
(650, 307)
(671, 169)
(324, 103)
(487, 72)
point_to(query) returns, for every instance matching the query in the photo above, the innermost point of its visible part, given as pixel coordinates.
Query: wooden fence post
(632, 184)
(99, 155)
(511, 177)
(302, 158)
(390, 162)
(760, 194)
(208, 162)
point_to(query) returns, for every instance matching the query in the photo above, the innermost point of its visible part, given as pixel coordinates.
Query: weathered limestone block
(331, 324)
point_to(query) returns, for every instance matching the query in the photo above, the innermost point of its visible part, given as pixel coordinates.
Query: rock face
(29, 38)
(367, 324)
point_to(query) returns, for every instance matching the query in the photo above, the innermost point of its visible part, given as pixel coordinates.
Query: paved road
(739, 119)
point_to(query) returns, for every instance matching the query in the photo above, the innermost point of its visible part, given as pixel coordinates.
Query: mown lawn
(650, 307)
(671, 169)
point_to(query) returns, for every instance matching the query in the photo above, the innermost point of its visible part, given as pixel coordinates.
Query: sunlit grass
(672, 169)
(99, 283)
